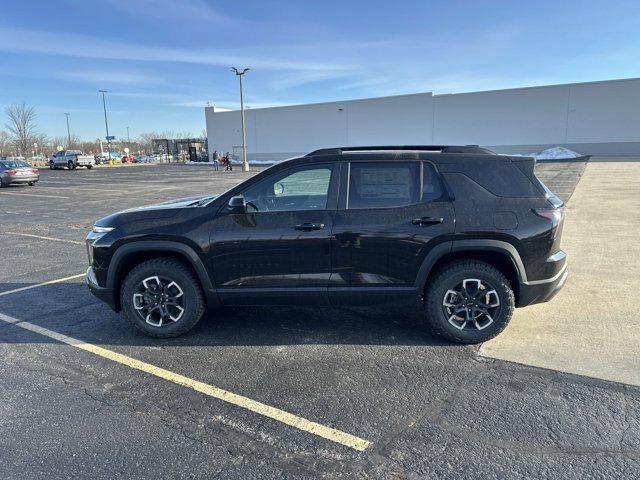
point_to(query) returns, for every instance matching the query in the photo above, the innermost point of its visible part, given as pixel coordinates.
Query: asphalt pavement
(425, 408)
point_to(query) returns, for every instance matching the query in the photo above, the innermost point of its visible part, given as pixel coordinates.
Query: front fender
(186, 252)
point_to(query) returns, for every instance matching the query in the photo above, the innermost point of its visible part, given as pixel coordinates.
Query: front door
(390, 215)
(280, 249)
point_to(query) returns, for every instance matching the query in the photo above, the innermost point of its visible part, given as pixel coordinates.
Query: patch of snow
(555, 153)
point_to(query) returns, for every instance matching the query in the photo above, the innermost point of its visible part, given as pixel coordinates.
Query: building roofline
(431, 94)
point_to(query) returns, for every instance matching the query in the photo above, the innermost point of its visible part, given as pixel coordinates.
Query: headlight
(101, 230)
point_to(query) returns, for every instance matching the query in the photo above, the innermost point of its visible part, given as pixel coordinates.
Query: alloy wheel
(471, 304)
(159, 301)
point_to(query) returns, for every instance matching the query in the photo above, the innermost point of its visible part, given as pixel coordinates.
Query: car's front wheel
(162, 297)
(469, 301)
(52, 165)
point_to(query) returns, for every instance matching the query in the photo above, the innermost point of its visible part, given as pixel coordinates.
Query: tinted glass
(14, 164)
(431, 186)
(302, 189)
(379, 185)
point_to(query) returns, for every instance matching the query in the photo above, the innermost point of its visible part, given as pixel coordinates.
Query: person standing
(227, 161)
(214, 157)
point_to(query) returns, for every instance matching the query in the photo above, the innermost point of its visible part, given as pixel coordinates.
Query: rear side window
(380, 185)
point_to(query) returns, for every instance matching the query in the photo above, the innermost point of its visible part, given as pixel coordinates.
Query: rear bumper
(17, 180)
(104, 294)
(540, 291)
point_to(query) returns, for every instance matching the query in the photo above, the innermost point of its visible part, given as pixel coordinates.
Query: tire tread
(467, 267)
(172, 264)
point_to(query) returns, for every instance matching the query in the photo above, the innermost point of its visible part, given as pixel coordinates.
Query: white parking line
(50, 282)
(287, 418)
(53, 239)
(32, 195)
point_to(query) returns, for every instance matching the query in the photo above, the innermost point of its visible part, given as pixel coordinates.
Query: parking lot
(277, 393)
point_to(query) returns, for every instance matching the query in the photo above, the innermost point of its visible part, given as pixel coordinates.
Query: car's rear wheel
(469, 301)
(71, 165)
(162, 297)
(31, 184)
(89, 167)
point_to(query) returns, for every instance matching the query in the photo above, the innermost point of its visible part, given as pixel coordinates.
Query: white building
(590, 118)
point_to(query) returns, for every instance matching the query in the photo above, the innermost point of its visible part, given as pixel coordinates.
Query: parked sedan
(17, 172)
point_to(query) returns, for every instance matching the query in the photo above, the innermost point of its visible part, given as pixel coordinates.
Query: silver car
(19, 172)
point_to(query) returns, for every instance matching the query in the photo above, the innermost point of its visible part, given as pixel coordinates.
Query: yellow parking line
(53, 239)
(50, 282)
(287, 418)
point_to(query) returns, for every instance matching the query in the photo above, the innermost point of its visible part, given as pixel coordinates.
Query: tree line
(22, 137)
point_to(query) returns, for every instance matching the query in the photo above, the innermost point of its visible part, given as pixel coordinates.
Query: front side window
(303, 189)
(380, 185)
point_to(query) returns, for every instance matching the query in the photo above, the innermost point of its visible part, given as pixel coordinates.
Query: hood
(156, 211)
(194, 201)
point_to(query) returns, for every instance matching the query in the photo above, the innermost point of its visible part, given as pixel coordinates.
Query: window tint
(14, 164)
(303, 189)
(379, 185)
(431, 186)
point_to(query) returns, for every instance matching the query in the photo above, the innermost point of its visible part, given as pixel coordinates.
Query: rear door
(390, 215)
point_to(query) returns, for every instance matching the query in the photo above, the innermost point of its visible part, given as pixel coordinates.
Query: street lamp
(68, 131)
(245, 164)
(128, 139)
(106, 124)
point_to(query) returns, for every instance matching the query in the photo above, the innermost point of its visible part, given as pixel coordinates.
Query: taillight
(12, 172)
(35, 170)
(554, 214)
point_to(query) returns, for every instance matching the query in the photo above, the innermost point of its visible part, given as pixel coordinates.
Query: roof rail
(421, 148)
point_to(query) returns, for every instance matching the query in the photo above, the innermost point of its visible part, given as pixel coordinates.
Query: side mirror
(237, 205)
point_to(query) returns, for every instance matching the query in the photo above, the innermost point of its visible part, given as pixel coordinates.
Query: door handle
(427, 220)
(307, 227)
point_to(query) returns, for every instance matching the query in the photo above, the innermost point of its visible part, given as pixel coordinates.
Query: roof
(395, 149)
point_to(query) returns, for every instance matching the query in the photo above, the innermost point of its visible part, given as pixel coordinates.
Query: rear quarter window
(499, 176)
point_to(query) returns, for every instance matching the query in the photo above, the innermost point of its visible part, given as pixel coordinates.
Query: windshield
(14, 164)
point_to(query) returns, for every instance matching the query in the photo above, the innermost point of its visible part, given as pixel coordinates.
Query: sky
(161, 61)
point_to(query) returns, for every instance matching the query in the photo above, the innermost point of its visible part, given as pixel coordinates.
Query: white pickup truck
(71, 159)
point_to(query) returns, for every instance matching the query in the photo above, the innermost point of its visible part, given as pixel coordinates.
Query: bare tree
(22, 126)
(5, 143)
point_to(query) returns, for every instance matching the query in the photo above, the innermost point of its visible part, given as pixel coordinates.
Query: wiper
(202, 201)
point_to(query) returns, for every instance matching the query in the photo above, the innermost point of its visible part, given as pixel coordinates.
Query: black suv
(460, 232)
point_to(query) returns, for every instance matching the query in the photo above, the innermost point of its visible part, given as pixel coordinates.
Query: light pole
(106, 124)
(245, 164)
(68, 131)
(128, 139)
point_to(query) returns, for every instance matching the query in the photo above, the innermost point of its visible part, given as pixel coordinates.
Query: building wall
(591, 118)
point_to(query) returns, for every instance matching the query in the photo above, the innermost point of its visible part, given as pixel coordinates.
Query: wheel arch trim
(442, 249)
(183, 250)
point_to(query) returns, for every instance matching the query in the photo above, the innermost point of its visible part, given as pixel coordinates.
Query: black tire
(52, 166)
(193, 298)
(31, 184)
(89, 167)
(71, 165)
(451, 277)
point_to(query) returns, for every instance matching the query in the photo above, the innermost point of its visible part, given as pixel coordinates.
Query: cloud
(171, 10)
(105, 77)
(15, 40)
